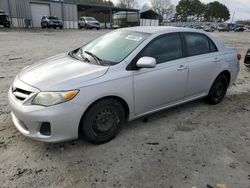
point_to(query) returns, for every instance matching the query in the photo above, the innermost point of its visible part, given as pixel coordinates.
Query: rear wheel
(218, 89)
(103, 121)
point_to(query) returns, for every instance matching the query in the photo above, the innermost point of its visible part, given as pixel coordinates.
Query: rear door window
(213, 48)
(197, 44)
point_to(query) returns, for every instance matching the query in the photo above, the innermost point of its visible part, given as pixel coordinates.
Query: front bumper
(93, 26)
(64, 119)
(55, 24)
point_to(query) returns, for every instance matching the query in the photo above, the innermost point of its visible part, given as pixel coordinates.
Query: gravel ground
(188, 146)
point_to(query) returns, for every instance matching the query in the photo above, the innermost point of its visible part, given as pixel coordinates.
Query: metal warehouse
(21, 10)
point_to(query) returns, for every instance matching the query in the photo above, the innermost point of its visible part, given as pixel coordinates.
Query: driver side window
(164, 48)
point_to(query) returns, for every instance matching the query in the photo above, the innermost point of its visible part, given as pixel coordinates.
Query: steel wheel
(218, 89)
(103, 120)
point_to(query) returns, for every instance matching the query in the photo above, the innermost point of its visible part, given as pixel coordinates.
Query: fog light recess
(45, 129)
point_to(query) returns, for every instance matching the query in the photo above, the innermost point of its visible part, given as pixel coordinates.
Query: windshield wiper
(81, 54)
(97, 59)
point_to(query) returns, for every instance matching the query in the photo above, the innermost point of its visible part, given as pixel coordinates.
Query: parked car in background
(4, 19)
(239, 29)
(51, 22)
(209, 29)
(88, 23)
(125, 74)
(198, 27)
(247, 59)
(223, 28)
(247, 28)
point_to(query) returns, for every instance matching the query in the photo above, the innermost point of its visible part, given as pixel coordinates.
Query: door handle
(182, 67)
(216, 60)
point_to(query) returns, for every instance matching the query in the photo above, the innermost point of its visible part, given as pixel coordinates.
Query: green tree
(190, 9)
(216, 11)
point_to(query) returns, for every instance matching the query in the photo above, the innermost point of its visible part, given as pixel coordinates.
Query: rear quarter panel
(230, 62)
(228, 57)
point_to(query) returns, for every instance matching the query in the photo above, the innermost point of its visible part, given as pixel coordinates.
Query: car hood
(93, 22)
(60, 72)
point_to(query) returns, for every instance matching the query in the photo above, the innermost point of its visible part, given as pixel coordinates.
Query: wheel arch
(227, 74)
(120, 99)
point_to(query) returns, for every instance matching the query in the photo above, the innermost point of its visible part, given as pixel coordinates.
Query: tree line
(195, 10)
(186, 10)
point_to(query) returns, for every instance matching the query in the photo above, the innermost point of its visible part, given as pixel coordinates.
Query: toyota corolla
(120, 76)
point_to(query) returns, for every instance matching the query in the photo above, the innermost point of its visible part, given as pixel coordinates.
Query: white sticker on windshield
(132, 37)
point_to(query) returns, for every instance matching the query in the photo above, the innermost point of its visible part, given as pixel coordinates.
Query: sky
(240, 7)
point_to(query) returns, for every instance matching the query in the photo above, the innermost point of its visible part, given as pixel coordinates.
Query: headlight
(53, 98)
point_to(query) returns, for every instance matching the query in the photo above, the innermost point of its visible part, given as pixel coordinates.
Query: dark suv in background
(51, 21)
(4, 19)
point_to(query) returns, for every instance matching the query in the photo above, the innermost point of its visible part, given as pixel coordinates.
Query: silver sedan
(120, 76)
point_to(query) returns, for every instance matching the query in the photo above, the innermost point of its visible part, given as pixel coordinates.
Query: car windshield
(90, 19)
(53, 18)
(3, 18)
(115, 46)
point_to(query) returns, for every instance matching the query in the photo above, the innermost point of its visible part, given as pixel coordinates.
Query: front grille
(20, 94)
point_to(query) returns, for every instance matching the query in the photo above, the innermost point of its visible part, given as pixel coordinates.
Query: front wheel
(218, 90)
(6, 25)
(103, 121)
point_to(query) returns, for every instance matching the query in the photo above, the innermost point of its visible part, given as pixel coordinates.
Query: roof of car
(158, 29)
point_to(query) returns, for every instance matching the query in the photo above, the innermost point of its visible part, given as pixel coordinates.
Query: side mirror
(146, 62)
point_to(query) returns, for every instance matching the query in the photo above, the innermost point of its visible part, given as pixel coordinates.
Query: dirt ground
(189, 146)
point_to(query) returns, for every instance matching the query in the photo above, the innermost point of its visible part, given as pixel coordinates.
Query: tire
(6, 25)
(61, 27)
(218, 89)
(103, 121)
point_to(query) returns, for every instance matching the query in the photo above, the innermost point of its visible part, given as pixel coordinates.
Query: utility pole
(233, 17)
